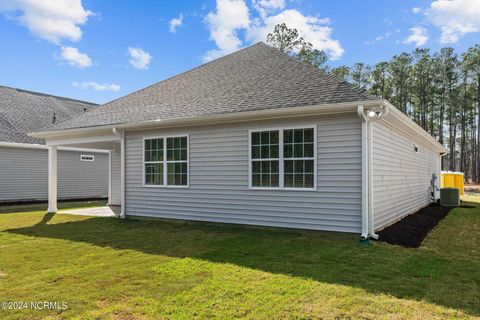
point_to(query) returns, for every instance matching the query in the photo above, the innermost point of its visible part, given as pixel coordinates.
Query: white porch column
(109, 178)
(122, 174)
(52, 179)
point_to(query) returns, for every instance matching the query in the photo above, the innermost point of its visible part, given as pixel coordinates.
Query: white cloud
(416, 10)
(139, 59)
(175, 23)
(232, 19)
(267, 6)
(51, 20)
(96, 86)
(382, 37)
(230, 16)
(74, 57)
(313, 29)
(455, 18)
(418, 36)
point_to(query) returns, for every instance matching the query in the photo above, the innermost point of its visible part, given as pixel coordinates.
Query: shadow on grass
(333, 258)
(42, 206)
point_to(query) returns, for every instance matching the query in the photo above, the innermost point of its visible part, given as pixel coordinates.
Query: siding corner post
(52, 179)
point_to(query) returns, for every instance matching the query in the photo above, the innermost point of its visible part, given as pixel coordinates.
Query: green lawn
(141, 269)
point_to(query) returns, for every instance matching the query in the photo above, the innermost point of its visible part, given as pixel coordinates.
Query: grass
(140, 269)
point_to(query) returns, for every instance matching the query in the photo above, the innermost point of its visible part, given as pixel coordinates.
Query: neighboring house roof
(255, 78)
(24, 111)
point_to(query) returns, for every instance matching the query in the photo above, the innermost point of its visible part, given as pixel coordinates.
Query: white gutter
(413, 126)
(367, 115)
(406, 123)
(45, 147)
(218, 118)
(121, 135)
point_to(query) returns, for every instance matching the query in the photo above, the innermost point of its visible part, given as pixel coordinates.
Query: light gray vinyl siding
(24, 175)
(219, 190)
(401, 177)
(82, 179)
(116, 187)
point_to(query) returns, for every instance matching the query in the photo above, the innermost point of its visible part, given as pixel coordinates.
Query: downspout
(121, 135)
(367, 116)
(363, 118)
(371, 231)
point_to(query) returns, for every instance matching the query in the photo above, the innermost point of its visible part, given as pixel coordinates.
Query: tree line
(440, 91)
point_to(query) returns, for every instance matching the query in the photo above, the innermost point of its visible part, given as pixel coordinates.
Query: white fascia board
(23, 145)
(411, 128)
(219, 118)
(45, 147)
(104, 133)
(86, 137)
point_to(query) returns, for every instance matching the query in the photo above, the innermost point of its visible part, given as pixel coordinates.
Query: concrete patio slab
(106, 211)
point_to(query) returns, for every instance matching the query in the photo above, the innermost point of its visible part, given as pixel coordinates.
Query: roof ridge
(47, 95)
(324, 72)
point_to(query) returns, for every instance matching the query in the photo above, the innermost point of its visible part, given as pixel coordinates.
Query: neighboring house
(24, 160)
(258, 137)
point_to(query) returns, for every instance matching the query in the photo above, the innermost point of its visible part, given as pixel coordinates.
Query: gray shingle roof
(255, 78)
(24, 111)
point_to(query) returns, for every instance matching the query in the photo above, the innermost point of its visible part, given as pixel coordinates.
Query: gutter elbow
(116, 132)
(386, 109)
(360, 113)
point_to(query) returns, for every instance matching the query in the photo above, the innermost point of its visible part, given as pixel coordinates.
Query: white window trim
(281, 183)
(165, 162)
(87, 155)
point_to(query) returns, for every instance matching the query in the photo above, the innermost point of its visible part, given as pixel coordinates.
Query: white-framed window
(283, 158)
(165, 161)
(87, 157)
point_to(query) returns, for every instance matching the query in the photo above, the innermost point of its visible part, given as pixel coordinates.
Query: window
(265, 159)
(283, 158)
(299, 158)
(166, 161)
(87, 157)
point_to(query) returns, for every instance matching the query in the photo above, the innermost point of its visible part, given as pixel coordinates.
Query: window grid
(296, 159)
(265, 162)
(177, 161)
(299, 150)
(153, 162)
(166, 161)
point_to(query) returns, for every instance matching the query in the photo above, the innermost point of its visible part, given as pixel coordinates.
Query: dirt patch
(472, 188)
(411, 230)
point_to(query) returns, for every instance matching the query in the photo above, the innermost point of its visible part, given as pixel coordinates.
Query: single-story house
(83, 173)
(258, 137)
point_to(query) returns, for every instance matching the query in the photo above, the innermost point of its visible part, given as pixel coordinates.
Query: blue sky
(99, 50)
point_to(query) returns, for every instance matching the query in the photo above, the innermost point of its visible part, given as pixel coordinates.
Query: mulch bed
(411, 230)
